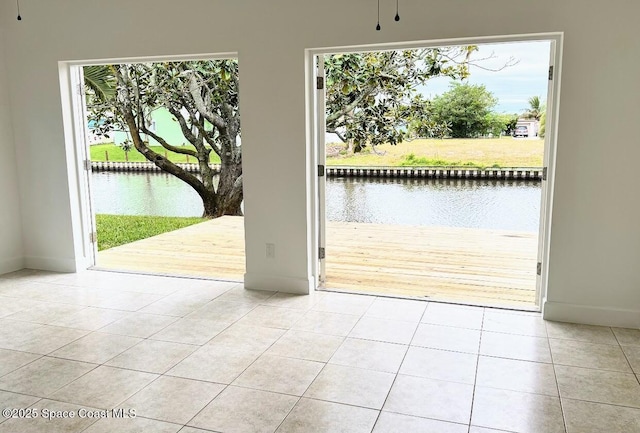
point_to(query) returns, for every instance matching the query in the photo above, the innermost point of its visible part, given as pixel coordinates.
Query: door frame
(316, 143)
(77, 151)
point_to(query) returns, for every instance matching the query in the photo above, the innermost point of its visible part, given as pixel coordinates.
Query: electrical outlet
(271, 251)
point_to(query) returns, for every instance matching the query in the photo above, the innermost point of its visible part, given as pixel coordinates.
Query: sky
(514, 85)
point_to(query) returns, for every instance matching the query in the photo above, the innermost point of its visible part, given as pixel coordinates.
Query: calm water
(508, 205)
(143, 194)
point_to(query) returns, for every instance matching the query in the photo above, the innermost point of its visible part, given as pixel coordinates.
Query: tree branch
(163, 143)
(338, 133)
(350, 107)
(124, 106)
(186, 131)
(194, 90)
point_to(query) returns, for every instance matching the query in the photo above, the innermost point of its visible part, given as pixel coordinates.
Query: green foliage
(411, 160)
(100, 83)
(468, 108)
(502, 151)
(421, 122)
(509, 121)
(543, 125)
(114, 230)
(367, 93)
(495, 124)
(536, 108)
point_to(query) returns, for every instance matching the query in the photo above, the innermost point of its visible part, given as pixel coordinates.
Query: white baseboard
(298, 286)
(11, 265)
(51, 264)
(590, 315)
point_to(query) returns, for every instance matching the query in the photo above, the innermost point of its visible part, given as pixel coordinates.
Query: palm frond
(101, 81)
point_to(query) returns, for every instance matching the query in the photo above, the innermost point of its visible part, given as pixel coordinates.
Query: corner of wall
(11, 242)
(11, 264)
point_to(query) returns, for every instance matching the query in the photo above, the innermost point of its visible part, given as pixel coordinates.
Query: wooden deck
(212, 249)
(490, 267)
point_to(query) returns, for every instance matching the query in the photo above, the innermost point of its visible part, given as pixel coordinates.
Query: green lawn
(480, 152)
(100, 152)
(114, 230)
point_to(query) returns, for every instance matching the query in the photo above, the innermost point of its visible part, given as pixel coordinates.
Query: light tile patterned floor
(195, 356)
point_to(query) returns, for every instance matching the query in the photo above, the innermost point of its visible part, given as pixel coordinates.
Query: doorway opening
(161, 165)
(428, 186)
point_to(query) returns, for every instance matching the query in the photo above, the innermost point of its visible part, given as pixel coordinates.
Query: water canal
(487, 204)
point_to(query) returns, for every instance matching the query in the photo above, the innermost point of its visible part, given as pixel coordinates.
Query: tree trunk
(228, 198)
(213, 209)
(349, 147)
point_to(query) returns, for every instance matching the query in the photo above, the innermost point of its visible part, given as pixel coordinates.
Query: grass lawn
(480, 152)
(116, 154)
(114, 230)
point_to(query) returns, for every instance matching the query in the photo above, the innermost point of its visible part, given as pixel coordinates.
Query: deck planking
(475, 266)
(492, 267)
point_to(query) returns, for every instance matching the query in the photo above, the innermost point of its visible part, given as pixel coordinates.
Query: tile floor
(205, 356)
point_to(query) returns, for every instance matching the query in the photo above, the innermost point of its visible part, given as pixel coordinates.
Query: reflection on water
(143, 194)
(492, 204)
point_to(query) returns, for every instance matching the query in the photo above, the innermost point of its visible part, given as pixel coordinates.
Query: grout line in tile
(431, 419)
(513, 359)
(601, 403)
(182, 426)
(287, 415)
(23, 393)
(452, 351)
(555, 375)
(206, 405)
(625, 356)
(28, 363)
(593, 368)
(53, 399)
(334, 402)
(475, 377)
(616, 344)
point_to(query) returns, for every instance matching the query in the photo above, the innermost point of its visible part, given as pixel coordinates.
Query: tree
(99, 82)
(495, 124)
(421, 122)
(536, 108)
(203, 97)
(468, 109)
(543, 125)
(509, 121)
(370, 95)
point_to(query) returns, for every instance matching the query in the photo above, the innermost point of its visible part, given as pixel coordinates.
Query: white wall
(595, 247)
(11, 253)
